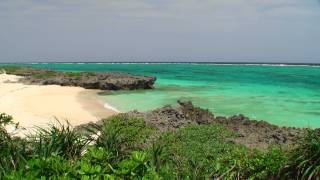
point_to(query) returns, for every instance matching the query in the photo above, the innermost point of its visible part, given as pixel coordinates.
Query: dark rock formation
(251, 133)
(260, 134)
(199, 115)
(103, 81)
(167, 117)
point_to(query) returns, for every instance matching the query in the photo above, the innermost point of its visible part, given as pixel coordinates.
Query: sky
(165, 30)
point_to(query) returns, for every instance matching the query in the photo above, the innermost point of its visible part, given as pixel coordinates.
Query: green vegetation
(127, 148)
(41, 73)
(45, 74)
(120, 135)
(36, 73)
(12, 150)
(59, 140)
(304, 162)
(10, 69)
(206, 150)
(78, 75)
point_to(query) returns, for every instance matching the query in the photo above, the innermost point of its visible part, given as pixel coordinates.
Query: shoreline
(39, 105)
(90, 99)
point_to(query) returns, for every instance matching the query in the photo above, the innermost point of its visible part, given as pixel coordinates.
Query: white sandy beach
(34, 105)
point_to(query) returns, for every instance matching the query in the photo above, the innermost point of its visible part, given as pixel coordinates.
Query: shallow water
(282, 95)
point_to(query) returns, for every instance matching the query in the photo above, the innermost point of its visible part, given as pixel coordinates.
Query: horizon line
(162, 62)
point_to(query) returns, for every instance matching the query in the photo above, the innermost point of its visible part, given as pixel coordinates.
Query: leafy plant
(95, 163)
(244, 163)
(197, 146)
(58, 139)
(12, 149)
(53, 167)
(120, 148)
(304, 161)
(120, 134)
(204, 151)
(136, 167)
(5, 120)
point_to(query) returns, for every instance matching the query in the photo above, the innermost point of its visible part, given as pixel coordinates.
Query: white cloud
(208, 28)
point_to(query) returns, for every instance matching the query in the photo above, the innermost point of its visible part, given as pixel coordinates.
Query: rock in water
(102, 81)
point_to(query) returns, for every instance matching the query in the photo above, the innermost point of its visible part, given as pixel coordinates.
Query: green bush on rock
(120, 135)
(204, 151)
(127, 148)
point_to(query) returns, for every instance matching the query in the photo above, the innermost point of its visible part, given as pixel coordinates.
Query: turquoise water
(282, 95)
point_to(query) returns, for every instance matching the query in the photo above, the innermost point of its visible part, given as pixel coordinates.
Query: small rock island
(87, 80)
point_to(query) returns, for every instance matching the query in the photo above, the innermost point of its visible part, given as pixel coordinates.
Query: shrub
(244, 163)
(12, 149)
(58, 139)
(53, 167)
(193, 150)
(78, 75)
(304, 161)
(95, 163)
(10, 69)
(204, 151)
(122, 150)
(120, 134)
(159, 160)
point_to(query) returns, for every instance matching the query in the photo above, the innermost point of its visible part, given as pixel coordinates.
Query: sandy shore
(33, 105)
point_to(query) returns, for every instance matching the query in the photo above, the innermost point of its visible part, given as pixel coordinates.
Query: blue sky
(166, 30)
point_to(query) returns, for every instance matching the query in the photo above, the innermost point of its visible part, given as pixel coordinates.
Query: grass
(44, 73)
(204, 151)
(10, 69)
(58, 140)
(41, 73)
(120, 148)
(121, 134)
(12, 150)
(304, 162)
(78, 75)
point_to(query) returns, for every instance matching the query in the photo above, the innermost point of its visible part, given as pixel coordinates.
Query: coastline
(38, 105)
(90, 100)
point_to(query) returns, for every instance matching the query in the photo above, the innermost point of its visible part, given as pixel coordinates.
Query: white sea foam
(108, 106)
(192, 63)
(218, 64)
(276, 65)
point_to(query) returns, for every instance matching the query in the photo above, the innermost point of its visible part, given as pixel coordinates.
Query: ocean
(285, 95)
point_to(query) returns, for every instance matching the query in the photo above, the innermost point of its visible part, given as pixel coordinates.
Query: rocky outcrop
(196, 114)
(251, 133)
(102, 81)
(260, 134)
(167, 117)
